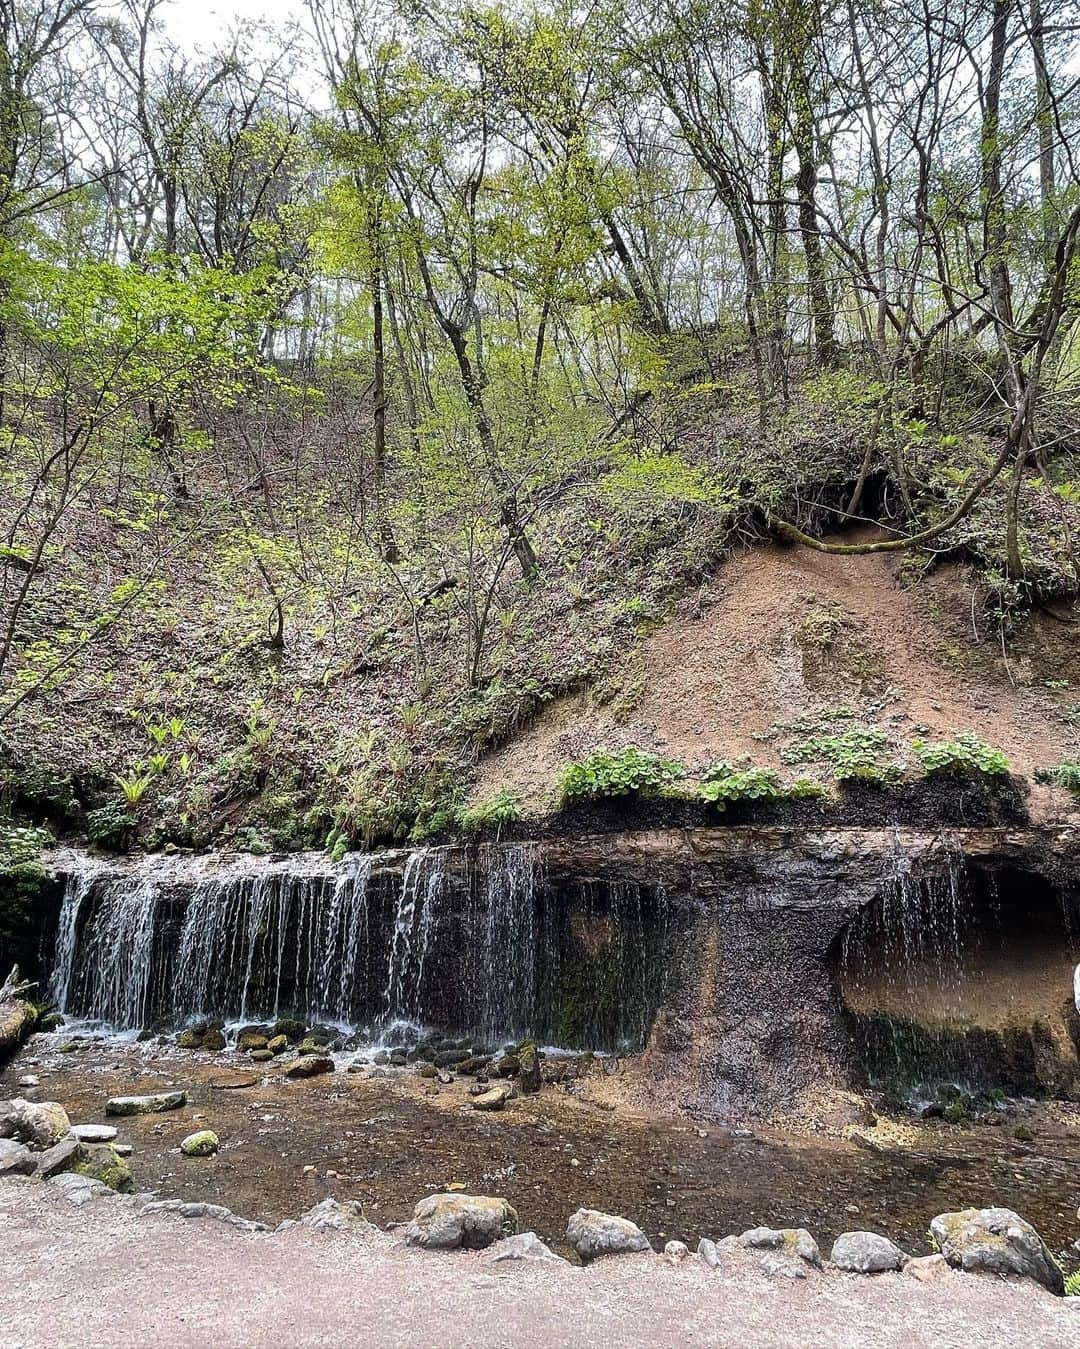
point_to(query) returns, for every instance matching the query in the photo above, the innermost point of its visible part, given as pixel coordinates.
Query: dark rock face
(711, 946)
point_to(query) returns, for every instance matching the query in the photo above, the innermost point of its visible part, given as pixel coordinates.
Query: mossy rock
(214, 1039)
(290, 1028)
(104, 1163)
(277, 1044)
(203, 1143)
(190, 1038)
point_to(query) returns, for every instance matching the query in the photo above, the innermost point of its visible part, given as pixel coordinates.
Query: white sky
(195, 23)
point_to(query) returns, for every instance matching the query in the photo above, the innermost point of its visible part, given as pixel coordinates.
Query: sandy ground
(102, 1275)
(783, 632)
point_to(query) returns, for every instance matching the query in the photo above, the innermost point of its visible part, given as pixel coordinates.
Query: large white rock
(592, 1233)
(94, 1133)
(38, 1124)
(443, 1222)
(79, 1190)
(146, 1105)
(999, 1241)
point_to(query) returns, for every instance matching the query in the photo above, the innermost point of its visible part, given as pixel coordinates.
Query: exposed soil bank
(386, 1142)
(103, 1275)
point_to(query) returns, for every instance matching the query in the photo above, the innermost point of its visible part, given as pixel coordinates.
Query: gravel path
(102, 1276)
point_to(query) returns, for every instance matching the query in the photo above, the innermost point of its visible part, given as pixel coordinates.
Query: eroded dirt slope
(789, 635)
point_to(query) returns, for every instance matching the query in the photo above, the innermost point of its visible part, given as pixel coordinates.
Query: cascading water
(465, 939)
(955, 978)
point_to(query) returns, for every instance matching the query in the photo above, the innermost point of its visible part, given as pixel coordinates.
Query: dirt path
(783, 632)
(102, 1275)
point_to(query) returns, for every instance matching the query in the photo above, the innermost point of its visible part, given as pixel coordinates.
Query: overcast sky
(195, 22)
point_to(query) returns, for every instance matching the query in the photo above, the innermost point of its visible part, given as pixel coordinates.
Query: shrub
(852, 753)
(723, 783)
(967, 754)
(623, 772)
(1065, 775)
(501, 809)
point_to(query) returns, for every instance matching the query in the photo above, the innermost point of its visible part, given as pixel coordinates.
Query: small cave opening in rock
(964, 978)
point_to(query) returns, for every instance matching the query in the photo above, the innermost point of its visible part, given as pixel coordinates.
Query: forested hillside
(368, 382)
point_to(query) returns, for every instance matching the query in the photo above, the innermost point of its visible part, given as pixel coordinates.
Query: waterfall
(114, 978)
(76, 889)
(423, 885)
(473, 940)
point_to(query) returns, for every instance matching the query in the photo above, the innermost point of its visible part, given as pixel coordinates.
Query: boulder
(288, 1029)
(154, 1104)
(16, 1159)
(494, 1098)
(676, 1252)
(252, 1037)
(260, 1056)
(310, 1065)
(102, 1162)
(999, 1241)
(782, 1267)
(528, 1067)
(866, 1253)
(791, 1241)
(443, 1222)
(927, 1268)
(330, 1215)
(277, 1044)
(93, 1133)
(525, 1246)
(214, 1039)
(708, 1251)
(62, 1156)
(509, 1065)
(202, 1143)
(446, 1058)
(592, 1233)
(79, 1190)
(190, 1038)
(38, 1124)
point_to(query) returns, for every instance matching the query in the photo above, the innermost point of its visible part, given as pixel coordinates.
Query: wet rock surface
(998, 1241)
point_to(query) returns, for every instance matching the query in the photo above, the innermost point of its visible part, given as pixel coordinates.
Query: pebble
(29, 1081)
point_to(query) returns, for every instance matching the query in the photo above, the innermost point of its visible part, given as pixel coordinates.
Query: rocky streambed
(387, 1135)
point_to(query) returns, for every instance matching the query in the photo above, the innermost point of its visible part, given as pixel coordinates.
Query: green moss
(104, 1163)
